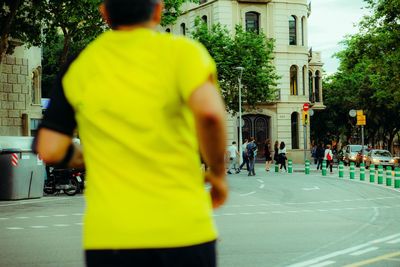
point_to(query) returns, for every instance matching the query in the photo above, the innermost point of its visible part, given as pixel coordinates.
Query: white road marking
(2, 219)
(261, 186)
(316, 210)
(385, 239)
(61, 225)
(394, 241)
(310, 203)
(79, 223)
(39, 226)
(42, 216)
(247, 194)
(15, 228)
(360, 252)
(311, 188)
(22, 218)
(38, 201)
(322, 264)
(343, 252)
(60, 215)
(77, 214)
(261, 181)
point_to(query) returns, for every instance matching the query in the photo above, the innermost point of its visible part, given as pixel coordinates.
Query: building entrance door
(257, 126)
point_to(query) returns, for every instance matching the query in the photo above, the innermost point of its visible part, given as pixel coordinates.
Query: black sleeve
(60, 116)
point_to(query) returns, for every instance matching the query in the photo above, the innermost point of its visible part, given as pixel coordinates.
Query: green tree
(18, 21)
(368, 75)
(172, 10)
(252, 51)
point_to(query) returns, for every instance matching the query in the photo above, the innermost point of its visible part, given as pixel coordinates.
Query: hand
(219, 188)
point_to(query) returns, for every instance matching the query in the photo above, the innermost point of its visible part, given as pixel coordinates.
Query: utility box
(22, 173)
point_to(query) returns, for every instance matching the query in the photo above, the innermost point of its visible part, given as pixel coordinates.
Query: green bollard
(380, 174)
(290, 166)
(276, 167)
(362, 172)
(388, 176)
(324, 168)
(341, 169)
(372, 173)
(397, 177)
(352, 170)
(307, 167)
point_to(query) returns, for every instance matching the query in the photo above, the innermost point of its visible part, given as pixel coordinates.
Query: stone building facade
(300, 69)
(20, 92)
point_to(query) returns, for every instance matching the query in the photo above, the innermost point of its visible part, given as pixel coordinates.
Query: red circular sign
(306, 106)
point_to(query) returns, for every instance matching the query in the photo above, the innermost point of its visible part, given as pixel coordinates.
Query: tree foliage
(368, 77)
(252, 51)
(18, 21)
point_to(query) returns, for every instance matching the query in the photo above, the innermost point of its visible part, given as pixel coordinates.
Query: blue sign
(45, 102)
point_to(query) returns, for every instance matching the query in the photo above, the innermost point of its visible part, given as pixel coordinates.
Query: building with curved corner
(20, 91)
(299, 67)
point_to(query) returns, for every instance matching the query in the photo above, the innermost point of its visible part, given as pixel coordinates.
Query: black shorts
(203, 255)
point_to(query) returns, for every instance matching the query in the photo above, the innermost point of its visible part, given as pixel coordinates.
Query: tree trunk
(67, 42)
(392, 134)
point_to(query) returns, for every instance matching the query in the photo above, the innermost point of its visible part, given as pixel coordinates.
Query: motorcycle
(68, 181)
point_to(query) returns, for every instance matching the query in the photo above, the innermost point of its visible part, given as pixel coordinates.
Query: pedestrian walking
(282, 156)
(145, 200)
(252, 153)
(276, 152)
(320, 155)
(267, 154)
(314, 153)
(244, 156)
(233, 154)
(328, 156)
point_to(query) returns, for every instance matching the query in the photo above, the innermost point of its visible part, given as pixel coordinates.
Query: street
(271, 219)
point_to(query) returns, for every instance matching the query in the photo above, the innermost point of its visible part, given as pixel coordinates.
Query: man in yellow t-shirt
(144, 104)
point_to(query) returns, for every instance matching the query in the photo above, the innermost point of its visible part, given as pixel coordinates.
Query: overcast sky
(329, 22)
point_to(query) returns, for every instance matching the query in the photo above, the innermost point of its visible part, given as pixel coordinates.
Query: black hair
(282, 145)
(129, 12)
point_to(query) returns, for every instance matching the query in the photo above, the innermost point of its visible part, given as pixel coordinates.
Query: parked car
(350, 153)
(379, 157)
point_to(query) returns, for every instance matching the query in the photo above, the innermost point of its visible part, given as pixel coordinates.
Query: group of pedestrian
(320, 153)
(249, 153)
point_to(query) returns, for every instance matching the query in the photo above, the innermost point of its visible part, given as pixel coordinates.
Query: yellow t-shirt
(129, 91)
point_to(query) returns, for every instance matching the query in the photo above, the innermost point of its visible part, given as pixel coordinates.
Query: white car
(379, 157)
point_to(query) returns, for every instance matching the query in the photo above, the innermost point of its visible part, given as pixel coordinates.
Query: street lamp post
(240, 112)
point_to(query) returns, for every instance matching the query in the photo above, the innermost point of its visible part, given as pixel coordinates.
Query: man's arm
(209, 112)
(54, 140)
(56, 148)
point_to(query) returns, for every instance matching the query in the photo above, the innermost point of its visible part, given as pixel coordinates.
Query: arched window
(295, 130)
(304, 79)
(310, 87)
(253, 22)
(36, 97)
(303, 31)
(292, 30)
(317, 87)
(168, 30)
(293, 80)
(204, 19)
(183, 29)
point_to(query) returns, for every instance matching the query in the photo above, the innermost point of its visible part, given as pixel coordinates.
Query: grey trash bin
(22, 173)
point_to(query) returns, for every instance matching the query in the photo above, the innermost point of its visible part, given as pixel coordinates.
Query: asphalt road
(271, 219)
(281, 219)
